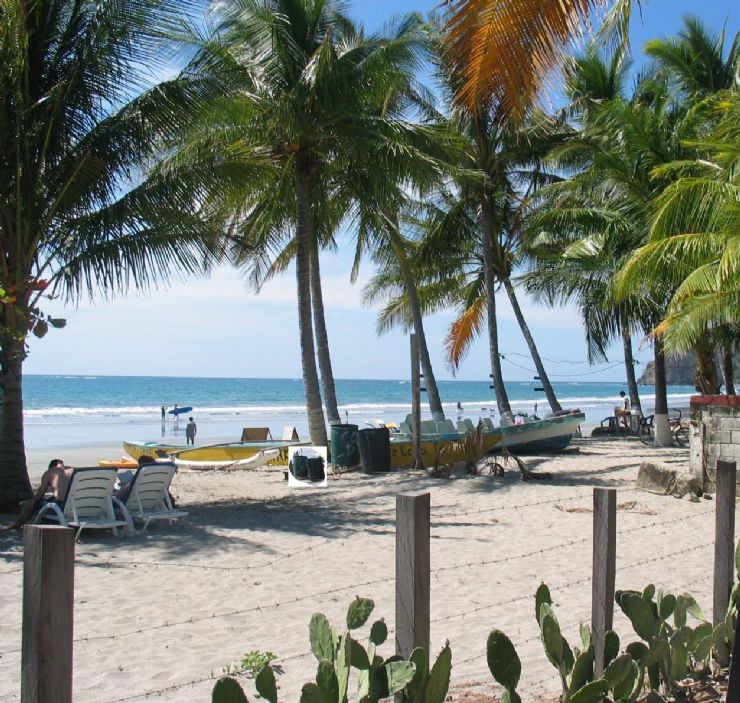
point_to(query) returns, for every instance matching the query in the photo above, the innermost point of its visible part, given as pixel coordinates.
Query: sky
(217, 327)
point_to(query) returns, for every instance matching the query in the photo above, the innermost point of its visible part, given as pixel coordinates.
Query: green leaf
(583, 671)
(611, 646)
(638, 651)
(667, 606)
(623, 690)
(648, 592)
(343, 664)
(585, 632)
(326, 680)
(399, 674)
(679, 612)
(657, 651)
(503, 661)
(320, 636)
(679, 656)
(378, 632)
(438, 682)
(359, 657)
(310, 694)
(640, 613)
(591, 693)
(421, 668)
(266, 685)
(737, 553)
(509, 696)
(692, 607)
(358, 612)
(57, 322)
(620, 668)
(551, 637)
(542, 595)
(227, 690)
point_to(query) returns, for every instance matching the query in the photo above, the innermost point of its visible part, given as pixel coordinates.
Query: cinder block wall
(715, 434)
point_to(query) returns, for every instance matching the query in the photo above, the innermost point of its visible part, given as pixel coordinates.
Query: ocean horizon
(68, 410)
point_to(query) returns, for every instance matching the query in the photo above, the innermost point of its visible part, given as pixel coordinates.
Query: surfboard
(180, 411)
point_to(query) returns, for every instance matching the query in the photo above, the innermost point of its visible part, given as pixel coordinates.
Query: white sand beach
(159, 614)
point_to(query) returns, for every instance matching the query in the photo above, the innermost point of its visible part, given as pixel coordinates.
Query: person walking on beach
(190, 430)
(52, 489)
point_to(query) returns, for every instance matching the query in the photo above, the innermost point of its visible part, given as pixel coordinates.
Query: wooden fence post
(724, 539)
(603, 570)
(415, 404)
(48, 603)
(412, 573)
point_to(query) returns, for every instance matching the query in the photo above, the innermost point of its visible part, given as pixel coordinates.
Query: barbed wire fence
(657, 529)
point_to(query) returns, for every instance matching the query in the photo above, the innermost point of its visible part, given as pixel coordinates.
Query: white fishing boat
(532, 435)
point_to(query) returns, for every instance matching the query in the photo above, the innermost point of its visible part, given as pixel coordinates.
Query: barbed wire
(212, 676)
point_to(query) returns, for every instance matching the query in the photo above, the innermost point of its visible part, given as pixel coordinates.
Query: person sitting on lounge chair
(52, 488)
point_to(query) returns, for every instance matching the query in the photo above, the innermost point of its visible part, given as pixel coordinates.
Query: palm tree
(77, 208)
(694, 236)
(304, 84)
(504, 50)
(574, 259)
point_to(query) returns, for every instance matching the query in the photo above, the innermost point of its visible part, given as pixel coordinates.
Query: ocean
(66, 411)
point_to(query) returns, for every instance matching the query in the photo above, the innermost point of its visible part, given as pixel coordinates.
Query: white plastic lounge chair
(290, 434)
(148, 498)
(428, 427)
(467, 424)
(405, 428)
(87, 504)
(487, 423)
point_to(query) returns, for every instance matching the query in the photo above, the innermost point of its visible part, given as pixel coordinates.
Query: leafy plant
(620, 680)
(337, 654)
(671, 649)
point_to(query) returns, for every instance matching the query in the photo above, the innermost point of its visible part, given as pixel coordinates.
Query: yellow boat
(231, 451)
(437, 449)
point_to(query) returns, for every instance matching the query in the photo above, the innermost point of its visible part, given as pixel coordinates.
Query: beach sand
(161, 613)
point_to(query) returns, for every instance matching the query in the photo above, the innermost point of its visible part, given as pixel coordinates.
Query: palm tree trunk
(303, 236)
(14, 482)
(662, 427)
(502, 400)
(706, 369)
(629, 367)
(727, 371)
(435, 403)
(549, 392)
(322, 338)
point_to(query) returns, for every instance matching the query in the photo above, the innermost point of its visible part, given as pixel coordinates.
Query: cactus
(504, 664)
(670, 649)
(228, 690)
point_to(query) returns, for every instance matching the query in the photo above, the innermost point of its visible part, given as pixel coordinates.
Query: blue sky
(217, 327)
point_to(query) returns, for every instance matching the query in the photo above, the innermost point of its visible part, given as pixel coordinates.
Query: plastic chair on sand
(148, 497)
(88, 503)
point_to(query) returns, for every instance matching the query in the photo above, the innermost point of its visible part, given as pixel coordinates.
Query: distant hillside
(680, 371)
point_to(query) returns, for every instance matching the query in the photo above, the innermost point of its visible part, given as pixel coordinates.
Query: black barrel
(316, 468)
(299, 466)
(375, 449)
(344, 445)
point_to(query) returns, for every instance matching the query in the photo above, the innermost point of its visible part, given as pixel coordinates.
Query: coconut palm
(305, 82)
(504, 50)
(694, 237)
(570, 257)
(79, 214)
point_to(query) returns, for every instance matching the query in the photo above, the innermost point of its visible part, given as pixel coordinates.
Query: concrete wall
(715, 434)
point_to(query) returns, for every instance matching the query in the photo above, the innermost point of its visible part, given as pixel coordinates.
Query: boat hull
(549, 434)
(436, 449)
(215, 453)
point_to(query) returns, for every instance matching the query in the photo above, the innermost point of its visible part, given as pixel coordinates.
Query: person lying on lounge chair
(52, 488)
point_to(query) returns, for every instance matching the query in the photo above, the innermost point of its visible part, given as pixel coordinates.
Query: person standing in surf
(190, 431)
